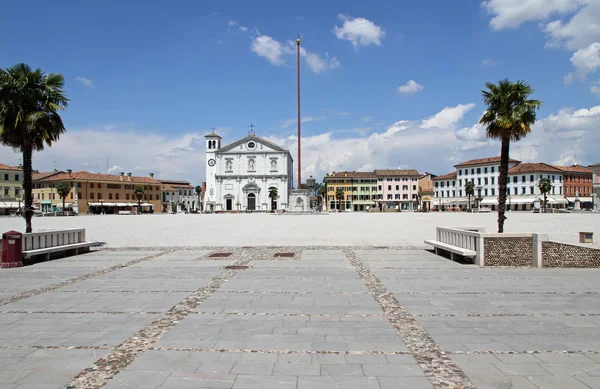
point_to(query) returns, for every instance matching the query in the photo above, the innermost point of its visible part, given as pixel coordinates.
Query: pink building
(398, 188)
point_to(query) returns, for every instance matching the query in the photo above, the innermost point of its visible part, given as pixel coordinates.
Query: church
(239, 175)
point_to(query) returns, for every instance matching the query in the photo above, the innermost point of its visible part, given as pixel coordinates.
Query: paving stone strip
(438, 367)
(86, 312)
(55, 347)
(104, 369)
(500, 352)
(286, 292)
(442, 292)
(128, 291)
(71, 281)
(504, 314)
(290, 314)
(258, 351)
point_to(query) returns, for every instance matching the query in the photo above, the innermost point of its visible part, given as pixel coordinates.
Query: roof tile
(534, 167)
(483, 161)
(83, 175)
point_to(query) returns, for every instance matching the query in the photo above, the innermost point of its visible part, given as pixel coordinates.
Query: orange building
(578, 183)
(107, 193)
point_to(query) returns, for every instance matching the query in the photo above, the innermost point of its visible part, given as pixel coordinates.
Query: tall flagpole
(299, 138)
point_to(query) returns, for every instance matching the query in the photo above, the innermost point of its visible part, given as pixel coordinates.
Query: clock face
(211, 162)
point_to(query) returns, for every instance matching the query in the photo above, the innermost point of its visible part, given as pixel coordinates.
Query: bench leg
(452, 256)
(436, 251)
(47, 256)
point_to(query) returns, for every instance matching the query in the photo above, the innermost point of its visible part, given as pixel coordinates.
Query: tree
(29, 120)
(545, 186)
(273, 196)
(339, 196)
(508, 117)
(198, 192)
(321, 193)
(63, 189)
(470, 191)
(138, 193)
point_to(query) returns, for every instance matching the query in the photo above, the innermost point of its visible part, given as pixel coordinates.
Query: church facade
(239, 175)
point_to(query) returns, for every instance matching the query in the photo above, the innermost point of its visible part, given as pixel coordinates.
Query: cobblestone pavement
(374, 318)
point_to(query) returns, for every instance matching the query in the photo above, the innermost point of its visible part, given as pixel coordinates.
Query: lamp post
(19, 209)
(101, 206)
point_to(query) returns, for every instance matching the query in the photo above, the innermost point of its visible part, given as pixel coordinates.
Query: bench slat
(31, 253)
(448, 247)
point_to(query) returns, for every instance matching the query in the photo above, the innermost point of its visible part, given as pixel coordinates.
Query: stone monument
(299, 202)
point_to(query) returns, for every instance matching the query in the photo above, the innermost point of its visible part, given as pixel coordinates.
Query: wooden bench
(450, 248)
(55, 241)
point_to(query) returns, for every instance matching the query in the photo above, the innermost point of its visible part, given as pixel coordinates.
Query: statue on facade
(229, 165)
(251, 164)
(273, 164)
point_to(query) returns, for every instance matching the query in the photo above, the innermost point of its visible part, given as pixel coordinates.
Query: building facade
(45, 197)
(360, 191)
(426, 191)
(523, 192)
(11, 188)
(239, 175)
(596, 184)
(398, 188)
(105, 193)
(578, 185)
(180, 193)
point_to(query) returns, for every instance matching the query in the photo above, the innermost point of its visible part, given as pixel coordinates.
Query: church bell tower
(213, 143)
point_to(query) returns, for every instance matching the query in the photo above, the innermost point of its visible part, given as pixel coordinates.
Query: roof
(534, 167)
(87, 176)
(427, 174)
(7, 167)
(255, 138)
(595, 165)
(449, 176)
(40, 176)
(574, 169)
(212, 135)
(483, 161)
(351, 175)
(397, 172)
(178, 184)
(167, 187)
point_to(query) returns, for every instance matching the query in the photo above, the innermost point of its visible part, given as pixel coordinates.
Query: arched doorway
(251, 201)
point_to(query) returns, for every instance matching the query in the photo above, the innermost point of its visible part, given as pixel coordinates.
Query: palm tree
(29, 120)
(545, 186)
(63, 189)
(339, 196)
(509, 117)
(321, 194)
(470, 191)
(272, 196)
(138, 193)
(198, 192)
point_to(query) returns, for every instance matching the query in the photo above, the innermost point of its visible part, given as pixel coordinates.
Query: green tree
(321, 193)
(199, 192)
(63, 189)
(339, 196)
(508, 117)
(470, 191)
(273, 195)
(138, 193)
(30, 101)
(545, 186)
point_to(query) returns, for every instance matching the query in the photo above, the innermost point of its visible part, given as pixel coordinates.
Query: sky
(396, 85)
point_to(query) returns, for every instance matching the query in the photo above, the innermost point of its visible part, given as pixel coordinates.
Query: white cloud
(513, 13)
(580, 31)
(359, 31)
(85, 81)
(595, 88)
(585, 61)
(409, 88)
(115, 169)
(233, 23)
(314, 61)
(367, 119)
(269, 48)
(489, 62)
(306, 119)
(447, 117)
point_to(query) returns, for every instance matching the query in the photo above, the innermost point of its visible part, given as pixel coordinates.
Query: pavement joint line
(85, 312)
(439, 368)
(290, 314)
(284, 292)
(259, 351)
(37, 347)
(501, 352)
(127, 291)
(501, 293)
(71, 281)
(506, 314)
(105, 369)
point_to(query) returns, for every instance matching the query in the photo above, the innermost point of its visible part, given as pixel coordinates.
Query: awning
(489, 201)
(9, 204)
(557, 200)
(107, 204)
(521, 200)
(67, 205)
(582, 199)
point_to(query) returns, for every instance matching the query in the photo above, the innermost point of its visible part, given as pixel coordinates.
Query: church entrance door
(229, 204)
(252, 201)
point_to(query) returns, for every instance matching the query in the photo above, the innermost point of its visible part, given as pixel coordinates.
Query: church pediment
(251, 144)
(250, 186)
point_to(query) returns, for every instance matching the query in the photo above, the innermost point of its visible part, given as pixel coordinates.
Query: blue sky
(147, 80)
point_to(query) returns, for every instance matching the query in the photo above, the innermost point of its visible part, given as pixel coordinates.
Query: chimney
(121, 175)
(69, 171)
(128, 176)
(151, 175)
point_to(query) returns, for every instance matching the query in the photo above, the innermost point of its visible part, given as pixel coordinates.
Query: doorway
(229, 204)
(252, 201)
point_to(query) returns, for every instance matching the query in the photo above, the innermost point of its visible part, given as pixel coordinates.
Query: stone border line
(56, 347)
(290, 314)
(553, 352)
(104, 369)
(84, 312)
(258, 351)
(284, 292)
(478, 293)
(438, 367)
(71, 281)
(506, 315)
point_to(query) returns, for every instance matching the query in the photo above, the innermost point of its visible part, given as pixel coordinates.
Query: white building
(180, 193)
(522, 186)
(239, 175)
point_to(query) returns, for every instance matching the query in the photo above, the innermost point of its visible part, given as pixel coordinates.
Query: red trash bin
(12, 249)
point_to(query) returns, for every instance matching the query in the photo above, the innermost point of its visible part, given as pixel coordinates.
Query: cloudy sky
(397, 85)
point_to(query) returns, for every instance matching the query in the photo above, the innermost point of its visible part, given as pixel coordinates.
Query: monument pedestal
(299, 201)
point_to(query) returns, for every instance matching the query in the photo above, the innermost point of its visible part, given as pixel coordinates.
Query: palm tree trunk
(28, 198)
(502, 183)
(63, 206)
(545, 202)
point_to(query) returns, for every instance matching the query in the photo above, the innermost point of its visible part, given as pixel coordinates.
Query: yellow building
(100, 193)
(11, 188)
(45, 197)
(349, 183)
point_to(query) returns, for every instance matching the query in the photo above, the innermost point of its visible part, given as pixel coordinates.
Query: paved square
(372, 318)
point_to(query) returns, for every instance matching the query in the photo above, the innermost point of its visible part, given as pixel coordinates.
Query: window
(389, 196)
(485, 181)
(6, 177)
(53, 196)
(485, 191)
(157, 197)
(459, 182)
(460, 193)
(485, 169)
(472, 171)
(459, 172)
(523, 179)
(145, 197)
(414, 187)
(531, 190)
(436, 184)
(126, 196)
(379, 187)
(405, 196)
(553, 190)
(436, 194)
(478, 170)
(16, 177)
(493, 192)
(91, 184)
(552, 178)
(523, 190)
(493, 180)
(6, 193)
(110, 196)
(492, 169)
(38, 196)
(92, 196)
(389, 187)
(79, 184)
(71, 195)
(116, 196)
(16, 192)
(447, 193)
(515, 179)
(397, 187)
(516, 190)
(397, 196)
(453, 193)
(560, 190)
(99, 195)
(99, 185)
(479, 181)
(531, 178)
(404, 187)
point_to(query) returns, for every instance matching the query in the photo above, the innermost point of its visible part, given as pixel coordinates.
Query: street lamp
(19, 209)
(101, 206)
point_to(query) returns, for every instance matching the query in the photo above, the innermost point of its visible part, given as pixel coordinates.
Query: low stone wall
(555, 254)
(508, 251)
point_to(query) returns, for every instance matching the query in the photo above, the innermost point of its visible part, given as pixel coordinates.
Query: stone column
(537, 240)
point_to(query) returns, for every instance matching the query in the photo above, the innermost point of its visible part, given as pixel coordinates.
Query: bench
(55, 241)
(450, 248)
